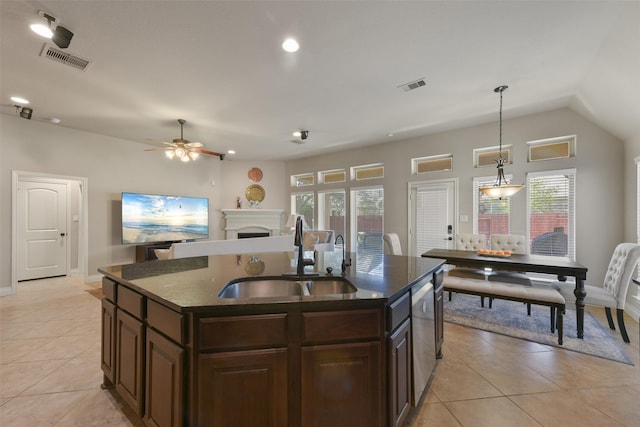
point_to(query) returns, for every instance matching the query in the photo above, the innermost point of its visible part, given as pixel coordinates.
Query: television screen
(149, 218)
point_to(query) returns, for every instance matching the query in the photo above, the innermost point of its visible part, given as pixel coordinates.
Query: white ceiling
(219, 65)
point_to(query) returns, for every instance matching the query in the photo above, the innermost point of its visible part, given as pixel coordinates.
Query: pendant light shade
(501, 188)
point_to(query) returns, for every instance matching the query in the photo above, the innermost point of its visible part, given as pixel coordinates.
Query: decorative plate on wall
(255, 174)
(255, 193)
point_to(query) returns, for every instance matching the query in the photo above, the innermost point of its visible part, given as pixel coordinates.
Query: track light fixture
(304, 134)
(24, 112)
(60, 35)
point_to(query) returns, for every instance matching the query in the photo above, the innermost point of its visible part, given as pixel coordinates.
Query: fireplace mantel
(252, 221)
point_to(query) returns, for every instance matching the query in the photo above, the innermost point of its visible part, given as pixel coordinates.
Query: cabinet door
(399, 392)
(243, 388)
(108, 354)
(164, 391)
(341, 385)
(129, 360)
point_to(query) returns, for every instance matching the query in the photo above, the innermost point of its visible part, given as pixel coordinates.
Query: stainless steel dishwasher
(423, 335)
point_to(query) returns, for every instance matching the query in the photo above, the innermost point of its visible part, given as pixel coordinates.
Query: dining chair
(613, 292)
(392, 244)
(469, 242)
(517, 244)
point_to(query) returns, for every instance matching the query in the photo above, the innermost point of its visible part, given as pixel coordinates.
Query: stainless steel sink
(330, 286)
(262, 287)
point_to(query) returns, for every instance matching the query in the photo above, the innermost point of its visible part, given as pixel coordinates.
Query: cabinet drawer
(243, 332)
(398, 311)
(109, 289)
(131, 302)
(166, 321)
(333, 326)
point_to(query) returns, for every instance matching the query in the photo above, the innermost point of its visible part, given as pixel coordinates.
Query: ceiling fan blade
(194, 144)
(208, 153)
(158, 149)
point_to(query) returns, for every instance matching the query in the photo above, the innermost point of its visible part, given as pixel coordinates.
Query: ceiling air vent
(413, 85)
(63, 57)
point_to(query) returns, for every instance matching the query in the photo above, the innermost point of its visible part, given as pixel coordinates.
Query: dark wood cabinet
(129, 379)
(164, 390)
(108, 352)
(243, 388)
(399, 367)
(341, 385)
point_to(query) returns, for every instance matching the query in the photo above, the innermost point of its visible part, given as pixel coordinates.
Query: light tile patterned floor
(50, 372)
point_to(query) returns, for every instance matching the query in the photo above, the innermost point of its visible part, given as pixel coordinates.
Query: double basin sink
(262, 287)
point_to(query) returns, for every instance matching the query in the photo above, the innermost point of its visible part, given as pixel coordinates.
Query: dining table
(562, 267)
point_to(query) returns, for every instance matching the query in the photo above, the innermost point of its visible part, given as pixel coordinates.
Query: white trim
(83, 238)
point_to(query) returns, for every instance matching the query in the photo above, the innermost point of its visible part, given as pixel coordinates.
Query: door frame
(410, 216)
(83, 229)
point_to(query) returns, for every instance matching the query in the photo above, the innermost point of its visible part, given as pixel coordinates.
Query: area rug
(510, 318)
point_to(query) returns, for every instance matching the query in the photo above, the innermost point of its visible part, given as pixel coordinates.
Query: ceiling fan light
(193, 155)
(185, 158)
(170, 154)
(180, 152)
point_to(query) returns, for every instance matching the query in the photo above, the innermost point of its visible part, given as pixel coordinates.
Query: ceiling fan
(184, 149)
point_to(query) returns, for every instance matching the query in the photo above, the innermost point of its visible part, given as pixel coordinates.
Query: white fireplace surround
(252, 221)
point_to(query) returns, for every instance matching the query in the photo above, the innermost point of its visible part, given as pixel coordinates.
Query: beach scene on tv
(148, 218)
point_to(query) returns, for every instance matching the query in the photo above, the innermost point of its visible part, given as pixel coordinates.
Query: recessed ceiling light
(290, 45)
(390, 134)
(19, 100)
(42, 30)
(55, 120)
(231, 151)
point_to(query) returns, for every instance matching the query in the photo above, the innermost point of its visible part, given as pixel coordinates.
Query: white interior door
(41, 229)
(433, 212)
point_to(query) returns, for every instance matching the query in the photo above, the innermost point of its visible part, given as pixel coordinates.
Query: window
(328, 177)
(302, 180)
(331, 211)
(303, 204)
(489, 156)
(359, 173)
(551, 212)
(490, 216)
(432, 164)
(552, 148)
(367, 227)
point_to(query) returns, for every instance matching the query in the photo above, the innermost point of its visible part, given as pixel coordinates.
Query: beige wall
(604, 217)
(111, 166)
(600, 213)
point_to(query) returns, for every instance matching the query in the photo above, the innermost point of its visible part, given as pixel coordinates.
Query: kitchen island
(181, 355)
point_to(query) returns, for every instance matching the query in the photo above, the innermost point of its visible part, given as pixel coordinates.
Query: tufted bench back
(470, 242)
(509, 242)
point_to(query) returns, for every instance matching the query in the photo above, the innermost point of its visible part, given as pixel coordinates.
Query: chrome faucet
(299, 242)
(344, 264)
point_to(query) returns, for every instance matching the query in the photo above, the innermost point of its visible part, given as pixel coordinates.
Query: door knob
(62, 234)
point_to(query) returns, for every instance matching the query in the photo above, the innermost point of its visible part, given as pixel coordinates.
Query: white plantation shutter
(551, 212)
(431, 224)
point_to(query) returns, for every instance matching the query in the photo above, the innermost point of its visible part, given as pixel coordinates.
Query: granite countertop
(193, 284)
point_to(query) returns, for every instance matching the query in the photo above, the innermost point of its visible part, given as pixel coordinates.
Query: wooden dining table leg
(580, 293)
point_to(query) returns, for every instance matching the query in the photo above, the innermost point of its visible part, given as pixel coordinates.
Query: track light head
(24, 112)
(304, 134)
(62, 37)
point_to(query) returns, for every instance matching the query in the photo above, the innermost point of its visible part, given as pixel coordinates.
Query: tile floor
(50, 372)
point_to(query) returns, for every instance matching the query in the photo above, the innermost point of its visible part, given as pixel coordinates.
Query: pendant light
(501, 188)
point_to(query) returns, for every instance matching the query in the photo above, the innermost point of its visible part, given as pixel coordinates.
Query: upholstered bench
(546, 296)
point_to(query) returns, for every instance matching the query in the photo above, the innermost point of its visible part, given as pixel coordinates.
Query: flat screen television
(153, 218)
